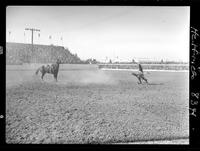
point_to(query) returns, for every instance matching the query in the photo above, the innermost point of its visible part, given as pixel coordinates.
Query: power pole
(32, 30)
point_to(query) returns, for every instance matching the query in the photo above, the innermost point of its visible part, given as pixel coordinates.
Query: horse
(51, 69)
(140, 75)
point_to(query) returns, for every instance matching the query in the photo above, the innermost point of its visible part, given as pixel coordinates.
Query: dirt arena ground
(88, 105)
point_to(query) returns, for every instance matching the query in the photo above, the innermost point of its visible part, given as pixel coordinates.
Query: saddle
(48, 69)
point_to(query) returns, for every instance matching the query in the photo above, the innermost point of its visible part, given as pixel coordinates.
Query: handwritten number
(193, 112)
(195, 95)
(194, 102)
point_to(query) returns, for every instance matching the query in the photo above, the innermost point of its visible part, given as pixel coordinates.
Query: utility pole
(32, 30)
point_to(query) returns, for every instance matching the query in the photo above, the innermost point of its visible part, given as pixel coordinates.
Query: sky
(119, 33)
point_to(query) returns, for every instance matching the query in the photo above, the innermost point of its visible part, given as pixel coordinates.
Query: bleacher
(19, 53)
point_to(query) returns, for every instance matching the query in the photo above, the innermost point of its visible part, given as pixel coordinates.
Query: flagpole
(9, 36)
(38, 38)
(62, 41)
(50, 40)
(24, 37)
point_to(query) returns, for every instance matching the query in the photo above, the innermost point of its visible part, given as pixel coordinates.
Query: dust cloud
(26, 73)
(97, 77)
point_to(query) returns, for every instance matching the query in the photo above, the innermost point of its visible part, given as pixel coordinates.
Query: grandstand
(19, 53)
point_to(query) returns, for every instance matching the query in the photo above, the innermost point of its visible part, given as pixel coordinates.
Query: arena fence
(146, 66)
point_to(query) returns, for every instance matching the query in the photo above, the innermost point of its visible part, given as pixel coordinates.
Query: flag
(49, 37)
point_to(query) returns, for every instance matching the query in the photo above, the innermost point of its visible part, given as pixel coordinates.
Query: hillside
(19, 53)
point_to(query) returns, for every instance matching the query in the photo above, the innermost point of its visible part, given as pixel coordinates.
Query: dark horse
(140, 75)
(51, 69)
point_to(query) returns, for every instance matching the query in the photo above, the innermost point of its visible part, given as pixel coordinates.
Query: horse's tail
(37, 70)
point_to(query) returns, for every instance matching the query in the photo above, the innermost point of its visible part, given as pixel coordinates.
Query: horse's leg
(55, 76)
(43, 73)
